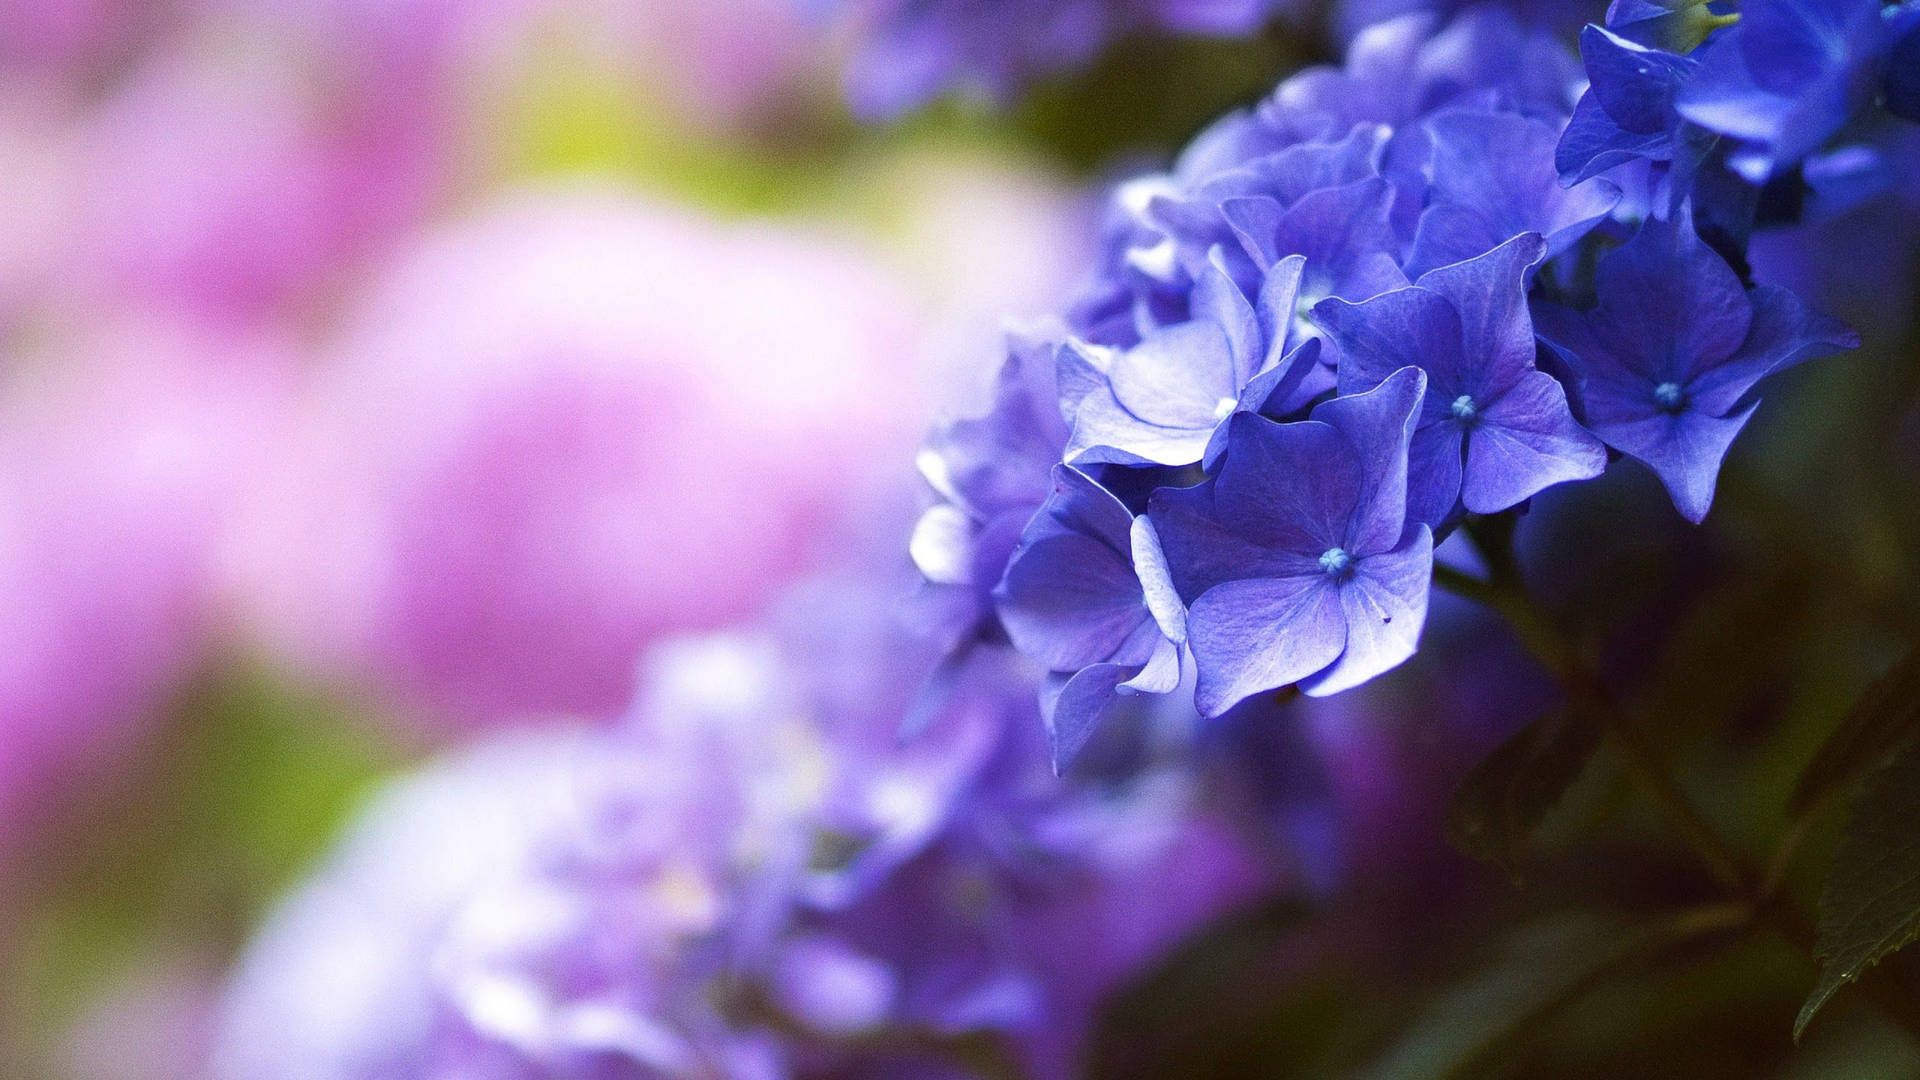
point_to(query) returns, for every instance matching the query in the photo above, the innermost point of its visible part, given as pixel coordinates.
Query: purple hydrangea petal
(1201, 552)
(1385, 605)
(1783, 332)
(1070, 597)
(1073, 705)
(1263, 490)
(1286, 388)
(1179, 377)
(1065, 601)
(1259, 634)
(1526, 441)
(1376, 427)
(1156, 580)
(1435, 464)
(1670, 305)
(1218, 300)
(1494, 178)
(1592, 143)
(1489, 296)
(1161, 673)
(1376, 337)
(1636, 85)
(1277, 308)
(1685, 449)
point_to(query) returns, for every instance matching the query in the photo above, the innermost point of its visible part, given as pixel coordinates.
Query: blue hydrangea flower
(1087, 594)
(1628, 112)
(1494, 179)
(1669, 359)
(1016, 924)
(1901, 94)
(1320, 129)
(1348, 17)
(1673, 26)
(1166, 400)
(1399, 70)
(990, 472)
(639, 901)
(914, 50)
(1344, 235)
(1298, 561)
(1493, 429)
(1169, 234)
(1786, 78)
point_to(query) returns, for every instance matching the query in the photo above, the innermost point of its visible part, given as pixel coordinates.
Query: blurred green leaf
(1506, 796)
(1148, 96)
(1230, 1003)
(1871, 904)
(1885, 719)
(249, 782)
(1477, 1028)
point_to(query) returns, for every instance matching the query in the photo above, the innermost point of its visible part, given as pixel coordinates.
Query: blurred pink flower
(229, 180)
(711, 62)
(36, 171)
(61, 39)
(567, 426)
(715, 62)
(154, 1022)
(119, 457)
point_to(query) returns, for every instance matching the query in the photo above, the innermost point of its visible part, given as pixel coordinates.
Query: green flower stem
(1589, 699)
(1504, 591)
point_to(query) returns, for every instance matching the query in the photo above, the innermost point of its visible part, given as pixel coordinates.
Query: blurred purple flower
(743, 881)
(1902, 90)
(913, 50)
(990, 472)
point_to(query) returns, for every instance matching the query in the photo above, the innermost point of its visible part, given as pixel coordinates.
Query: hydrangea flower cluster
(750, 879)
(913, 50)
(1761, 93)
(1428, 284)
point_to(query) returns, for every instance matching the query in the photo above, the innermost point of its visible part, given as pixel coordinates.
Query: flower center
(1465, 410)
(1336, 561)
(1669, 397)
(1303, 307)
(1225, 408)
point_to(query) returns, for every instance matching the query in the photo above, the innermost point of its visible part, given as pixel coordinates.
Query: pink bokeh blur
(297, 371)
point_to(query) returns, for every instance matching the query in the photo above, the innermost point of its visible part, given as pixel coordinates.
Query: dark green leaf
(1886, 718)
(1236, 1001)
(1871, 904)
(1506, 796)
(1479, 1027)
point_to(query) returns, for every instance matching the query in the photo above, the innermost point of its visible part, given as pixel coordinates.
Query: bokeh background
(376, 374)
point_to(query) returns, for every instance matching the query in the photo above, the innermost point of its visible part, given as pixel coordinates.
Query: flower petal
(1262, 634)
(1385, 605)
